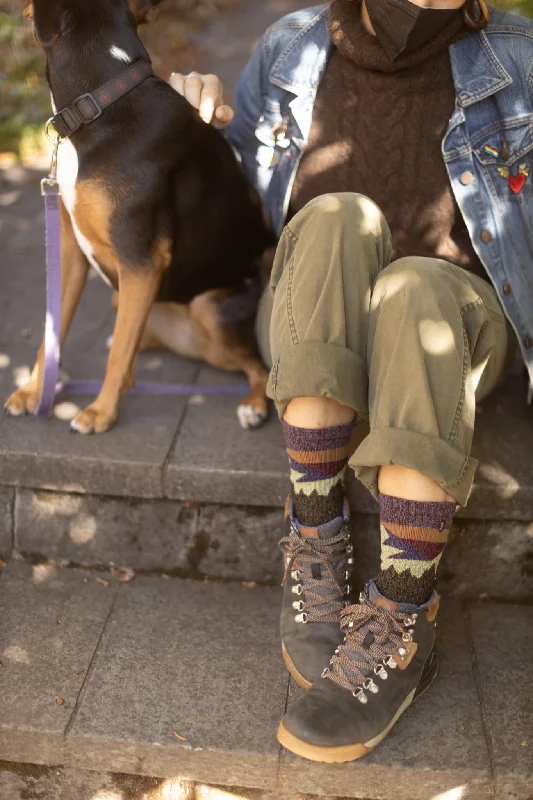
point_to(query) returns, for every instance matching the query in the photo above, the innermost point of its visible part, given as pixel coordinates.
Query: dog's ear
(46, 19)
(145, 10)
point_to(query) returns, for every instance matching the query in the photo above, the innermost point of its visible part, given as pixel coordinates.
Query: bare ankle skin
(411, 485)
(317, 412)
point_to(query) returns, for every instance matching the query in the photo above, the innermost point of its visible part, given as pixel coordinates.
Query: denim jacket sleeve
(250, 93)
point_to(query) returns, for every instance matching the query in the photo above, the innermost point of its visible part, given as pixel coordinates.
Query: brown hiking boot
(316, 588)
(388, 659)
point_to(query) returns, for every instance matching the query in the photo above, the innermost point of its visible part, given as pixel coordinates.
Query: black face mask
(403, 27)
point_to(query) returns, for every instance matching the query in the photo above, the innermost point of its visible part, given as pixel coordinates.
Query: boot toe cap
(321, 717)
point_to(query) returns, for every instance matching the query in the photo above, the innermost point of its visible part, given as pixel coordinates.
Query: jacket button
(528, 342)
(466, 178)
(486, 236)
(507, 288)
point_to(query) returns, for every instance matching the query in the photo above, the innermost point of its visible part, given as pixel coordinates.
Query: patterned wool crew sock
(413, 536)
(318, 458)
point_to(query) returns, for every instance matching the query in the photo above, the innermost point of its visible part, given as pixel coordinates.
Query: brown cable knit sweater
(377, 129)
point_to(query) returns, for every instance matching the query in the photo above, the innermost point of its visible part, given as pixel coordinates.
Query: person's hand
(205, 94)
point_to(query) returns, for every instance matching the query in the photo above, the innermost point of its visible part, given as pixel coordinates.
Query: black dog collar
(88, 107)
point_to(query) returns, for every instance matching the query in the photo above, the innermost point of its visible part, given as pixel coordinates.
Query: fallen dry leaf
(59, 700)
(80, 672)
(248, 584)
(524, 743)
(101, 580)
(181, 738)
(2, 564)
(190, 504)
(125, 574)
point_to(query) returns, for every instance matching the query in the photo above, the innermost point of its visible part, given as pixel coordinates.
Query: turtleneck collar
(353, 41)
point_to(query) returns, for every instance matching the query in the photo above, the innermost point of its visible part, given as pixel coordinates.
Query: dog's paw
(250, 416)
(93, 420)
(23, 401)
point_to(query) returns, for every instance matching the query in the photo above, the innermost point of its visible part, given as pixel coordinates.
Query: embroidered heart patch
(516, 182)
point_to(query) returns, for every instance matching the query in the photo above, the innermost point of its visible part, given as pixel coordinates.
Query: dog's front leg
(137, 292)
(74, 271)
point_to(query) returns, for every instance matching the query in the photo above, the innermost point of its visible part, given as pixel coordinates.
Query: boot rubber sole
(300, 680)
(351, 752)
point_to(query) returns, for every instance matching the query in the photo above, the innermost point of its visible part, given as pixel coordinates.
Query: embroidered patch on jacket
(516, 182)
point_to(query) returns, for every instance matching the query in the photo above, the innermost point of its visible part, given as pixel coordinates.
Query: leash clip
(51, 180)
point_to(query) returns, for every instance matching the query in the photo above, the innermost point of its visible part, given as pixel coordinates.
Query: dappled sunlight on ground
(43, 573)
(493, 472)
(21, 376)
(82, 528)
(66, 411)
(108, 794)
(16, 654)
(214, 793)
(47, 505)
(174, 789)
(452, 794)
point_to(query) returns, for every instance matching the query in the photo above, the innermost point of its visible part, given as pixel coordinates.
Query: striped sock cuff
(416, 513)
(309, 439)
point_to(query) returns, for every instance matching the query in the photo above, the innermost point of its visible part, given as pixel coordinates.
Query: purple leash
(161, 389)
(52, 345)
(52, 338)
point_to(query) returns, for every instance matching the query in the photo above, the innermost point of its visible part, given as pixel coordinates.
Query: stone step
(239, 543)
(179, 679)
(35, 782)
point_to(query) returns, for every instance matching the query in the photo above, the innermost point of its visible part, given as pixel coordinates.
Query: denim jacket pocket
(505, 152)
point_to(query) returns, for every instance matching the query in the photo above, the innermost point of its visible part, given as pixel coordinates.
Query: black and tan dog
(154, 199)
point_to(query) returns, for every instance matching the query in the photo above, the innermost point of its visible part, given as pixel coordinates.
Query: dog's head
(54, 18)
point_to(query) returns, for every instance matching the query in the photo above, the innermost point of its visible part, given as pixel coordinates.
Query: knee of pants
(347, 214)
(427, 281)
(425, 296)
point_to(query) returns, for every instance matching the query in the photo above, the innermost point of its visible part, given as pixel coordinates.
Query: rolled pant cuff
(318, 369)
(435, 458)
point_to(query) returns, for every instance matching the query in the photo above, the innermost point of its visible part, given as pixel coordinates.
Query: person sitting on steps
(391, 143)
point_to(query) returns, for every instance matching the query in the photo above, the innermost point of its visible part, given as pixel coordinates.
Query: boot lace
(321, 599)
(374, 639)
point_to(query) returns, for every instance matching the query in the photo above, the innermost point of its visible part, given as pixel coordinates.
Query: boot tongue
(326, 531)
(321, 532)
(377, 599)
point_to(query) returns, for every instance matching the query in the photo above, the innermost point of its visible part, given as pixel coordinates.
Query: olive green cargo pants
(409, 345)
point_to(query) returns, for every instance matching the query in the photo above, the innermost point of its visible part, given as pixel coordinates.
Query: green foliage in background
(25, 100)
(523, 7)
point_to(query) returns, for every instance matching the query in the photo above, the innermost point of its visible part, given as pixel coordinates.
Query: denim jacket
(493, 77)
